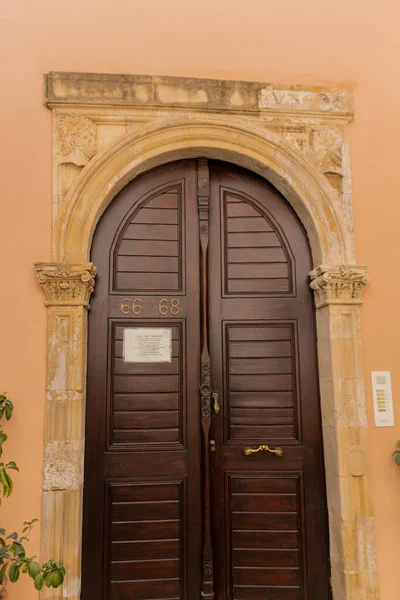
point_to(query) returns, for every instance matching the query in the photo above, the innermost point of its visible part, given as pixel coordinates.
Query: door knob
(249, 451)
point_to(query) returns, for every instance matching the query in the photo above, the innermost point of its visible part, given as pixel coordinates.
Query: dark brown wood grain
(270, 523)
(142, 464)
(165, 519)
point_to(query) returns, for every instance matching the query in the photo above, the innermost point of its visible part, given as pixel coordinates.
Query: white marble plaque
(147, 345)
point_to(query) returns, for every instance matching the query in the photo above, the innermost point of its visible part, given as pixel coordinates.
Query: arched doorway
(204, 455)
(68, 282)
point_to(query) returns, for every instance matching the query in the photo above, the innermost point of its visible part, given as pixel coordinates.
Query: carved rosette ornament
(66, 284)
(207, 568)
(205, 391)
(338, 285)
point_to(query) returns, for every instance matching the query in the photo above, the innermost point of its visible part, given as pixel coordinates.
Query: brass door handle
(249, 451)
(216, 406)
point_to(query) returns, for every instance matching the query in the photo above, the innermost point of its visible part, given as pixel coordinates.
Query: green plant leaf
(3, 571)
(18, 549)
(12, 536)
(12, 465)
(58, 578)
(31, 523)
(48, 578)
(9, 407)
(4, 482)
(34, 569)
(9, 482)
(39, 580)
(13, 573)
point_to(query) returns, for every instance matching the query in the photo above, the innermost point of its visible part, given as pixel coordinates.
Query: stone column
(67, 289)
(338, 293)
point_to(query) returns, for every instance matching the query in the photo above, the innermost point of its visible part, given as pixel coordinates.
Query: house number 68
(173, 307)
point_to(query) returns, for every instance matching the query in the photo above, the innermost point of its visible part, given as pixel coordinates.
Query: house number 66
(127, 306)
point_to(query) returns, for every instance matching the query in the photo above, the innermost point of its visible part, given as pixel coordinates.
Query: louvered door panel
(261, 384)
(256, 259)
(148, 255)
(265, 538)
(145, 547)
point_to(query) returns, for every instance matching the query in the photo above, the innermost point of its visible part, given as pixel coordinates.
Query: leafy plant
(396, 454)
(13, 559)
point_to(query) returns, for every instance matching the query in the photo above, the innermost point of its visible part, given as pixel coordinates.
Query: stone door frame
(109, 128)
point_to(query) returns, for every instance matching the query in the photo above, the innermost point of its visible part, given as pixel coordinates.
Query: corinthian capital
(342, 284)
(66, 284)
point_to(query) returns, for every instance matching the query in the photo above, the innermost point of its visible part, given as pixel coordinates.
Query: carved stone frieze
(323, 145)
(302, 99)
(76, 139)
(338, 285)
(297, 138)
(326, 149)
(66, 284)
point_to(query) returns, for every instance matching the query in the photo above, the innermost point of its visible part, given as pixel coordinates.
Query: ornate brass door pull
(249, 451)
(216, 406)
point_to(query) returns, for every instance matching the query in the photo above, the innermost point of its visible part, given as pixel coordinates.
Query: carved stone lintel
(75, 89)
(66, 284)
(342, 284)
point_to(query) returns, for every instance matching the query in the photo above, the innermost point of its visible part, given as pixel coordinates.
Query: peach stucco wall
(349, 43)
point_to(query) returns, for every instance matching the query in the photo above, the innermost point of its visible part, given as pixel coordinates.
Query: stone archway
(106, 132)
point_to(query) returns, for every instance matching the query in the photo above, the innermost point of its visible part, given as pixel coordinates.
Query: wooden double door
(204, 471)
